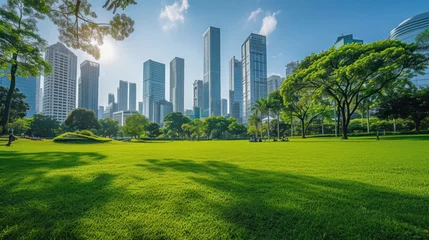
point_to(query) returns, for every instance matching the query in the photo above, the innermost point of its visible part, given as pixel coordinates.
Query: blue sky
(165, 29)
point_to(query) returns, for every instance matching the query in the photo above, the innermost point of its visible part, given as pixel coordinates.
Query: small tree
(44, 126)
(135, 125)
(22, 125)
(236, 129)
(153, 130)
(187, 130)
(174, 121)
(82, 119)
(198, 128)
(109, 127)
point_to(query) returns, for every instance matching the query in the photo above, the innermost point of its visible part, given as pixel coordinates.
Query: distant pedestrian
(11, 139)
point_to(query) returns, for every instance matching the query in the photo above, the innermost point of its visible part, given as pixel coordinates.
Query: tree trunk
(268, 130)
(337, 127)
(8, 104)
(278, 127)
(367, 119)
(262, 122)
(344, 124)
(323, 126)
(303, 128)
(394, 125)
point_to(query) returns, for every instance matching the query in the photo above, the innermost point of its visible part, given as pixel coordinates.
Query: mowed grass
(302, 189)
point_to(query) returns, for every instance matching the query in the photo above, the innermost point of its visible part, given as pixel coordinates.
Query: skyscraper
(177, 84)
(235, 88)
(273, 83)
(346, 39)
(212, 85)
(198, 93)
(133, 97)
(160, 110)
(291, 67)
(88, 86)
(39, 96)
(60, 86)
(153, 86)
(111, 98)
(254, 61)
(224, 107)
(123, 96)
(100, 112)
(141, 108)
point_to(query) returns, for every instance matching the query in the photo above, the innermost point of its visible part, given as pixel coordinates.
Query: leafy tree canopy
(44, 126)
(82, 119)
(109, 127)
(19, 106)
(135, 125)
(174, 121)
(153, 130)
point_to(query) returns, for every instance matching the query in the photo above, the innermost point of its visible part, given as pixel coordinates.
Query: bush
(86, 133)
(70, 137)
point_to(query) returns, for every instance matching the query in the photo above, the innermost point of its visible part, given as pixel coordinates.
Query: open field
(308, 189)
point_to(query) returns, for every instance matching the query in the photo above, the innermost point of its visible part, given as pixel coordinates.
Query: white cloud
(269, 24)
(174, 13)
(254, 14)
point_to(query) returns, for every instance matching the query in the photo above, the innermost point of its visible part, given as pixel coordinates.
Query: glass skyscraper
(254, 61)
(177, 84)
(407, 31)
(123, 96)
(212, 85)
(132, 97)
(88, 86)
(198, 93)
(235, 88)
(153, 86)
(346, 39)
(274, 83)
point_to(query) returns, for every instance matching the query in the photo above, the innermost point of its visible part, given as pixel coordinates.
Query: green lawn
(302, 189)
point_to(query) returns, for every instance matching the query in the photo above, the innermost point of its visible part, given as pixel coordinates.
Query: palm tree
(254, 120)
(260, 108)
(270, 104)
(277, 108)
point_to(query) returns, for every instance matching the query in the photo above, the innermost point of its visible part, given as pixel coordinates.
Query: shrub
(70, 137)
(86, 133)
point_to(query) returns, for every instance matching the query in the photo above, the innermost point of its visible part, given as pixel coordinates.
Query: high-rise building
(133, 97)
(291, 67)
(189, 112)
(160, 110)
(121, 116)
(88, 86)
(273, 83)
(141, 108)
(27, 86)
(254, 61)
(39, 95)
(212, 83)
(110, 109)
(122, 95)
(235, 88)
(224, 107)
(177, 84)
(198, 93)
(100, 112)
(110, 98)
(60, 86)
(153, 86)
(407, 31)
(346, 39)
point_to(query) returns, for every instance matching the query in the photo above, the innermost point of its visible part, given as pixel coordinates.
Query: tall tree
(153, 130)
(174, 121)
(44, 126)
(109, 127)
(20, 47)
(135, 125)
(261, 109)
(236, 129)
(354, 72)
(198, 127)
(18, 107)
(277, 107)
(254, 120)
(82, 119)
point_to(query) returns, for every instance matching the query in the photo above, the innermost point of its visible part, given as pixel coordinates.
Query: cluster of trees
(21, 46)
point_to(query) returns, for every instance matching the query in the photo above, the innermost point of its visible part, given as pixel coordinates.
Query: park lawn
(303, 189)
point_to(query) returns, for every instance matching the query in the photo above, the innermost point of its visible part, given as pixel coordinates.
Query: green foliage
(187, 130)
(44, 126)
(153, 130)
(216, 134)
(174, 121)
(109, 127)
(354, 72)
(21, 125)
(80, 137)
(135, 125)
(198, 128)
(237, 129)
(219, 123)
(82, 119)
(86, 133)
(19, 106)
(422, 40)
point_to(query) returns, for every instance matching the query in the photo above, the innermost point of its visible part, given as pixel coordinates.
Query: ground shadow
(273, 205)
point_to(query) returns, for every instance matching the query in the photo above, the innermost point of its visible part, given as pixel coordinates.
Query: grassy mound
(70, 137)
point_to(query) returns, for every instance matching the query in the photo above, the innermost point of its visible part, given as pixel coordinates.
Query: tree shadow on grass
(38, 206)
(277, 205)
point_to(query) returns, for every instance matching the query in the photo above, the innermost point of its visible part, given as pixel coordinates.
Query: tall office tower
(273, 83)
(161, 109)
(224, 107)
(212, 85)
(346, 39)
(26, 86)
(235, 88)
(198, 96)
(291, 67)
(88, 86)
(133, 97)
(39, 95)
(407, 31)
(141, 108)
(123, 96)
(177, 84)
(100, 112)
(153, 86)
(254, 60)
(60, 86)
(111, 98)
